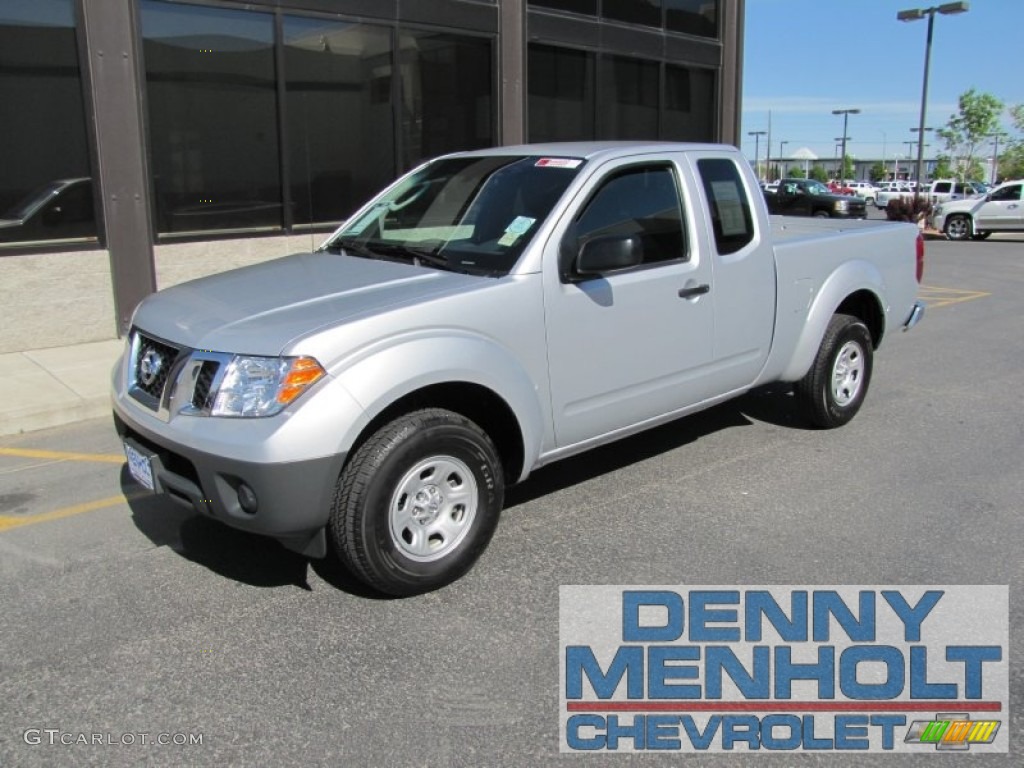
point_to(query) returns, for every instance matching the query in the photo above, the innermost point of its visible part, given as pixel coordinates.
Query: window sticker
(730, 207)
(518, 227)
(558, 162)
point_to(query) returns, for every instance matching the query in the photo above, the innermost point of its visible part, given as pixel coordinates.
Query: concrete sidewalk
(61, 385)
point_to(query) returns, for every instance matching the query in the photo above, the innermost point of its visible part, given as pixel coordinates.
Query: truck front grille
(152, 365)
(202, 395)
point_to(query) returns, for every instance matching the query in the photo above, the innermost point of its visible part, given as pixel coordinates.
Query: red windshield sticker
(558, 162)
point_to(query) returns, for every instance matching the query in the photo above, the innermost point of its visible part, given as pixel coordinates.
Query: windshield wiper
(352, 246)
(418, 256)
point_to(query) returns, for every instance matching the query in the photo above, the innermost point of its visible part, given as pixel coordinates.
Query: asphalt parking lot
(123, 614)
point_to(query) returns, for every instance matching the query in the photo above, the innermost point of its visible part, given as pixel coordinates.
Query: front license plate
(139, 466)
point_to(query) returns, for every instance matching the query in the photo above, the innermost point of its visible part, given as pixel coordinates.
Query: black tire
(834, 388)
(980, 235)
(418, 503)
(821, 214)
(959, 227)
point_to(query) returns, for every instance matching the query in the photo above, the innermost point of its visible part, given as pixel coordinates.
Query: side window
(1007, 193)
(731, 218)
(641, 201)
(942, 187)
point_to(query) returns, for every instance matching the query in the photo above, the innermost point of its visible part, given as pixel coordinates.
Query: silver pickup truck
(488, 313)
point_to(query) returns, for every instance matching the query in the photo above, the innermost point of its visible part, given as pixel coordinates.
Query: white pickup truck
(488, 313)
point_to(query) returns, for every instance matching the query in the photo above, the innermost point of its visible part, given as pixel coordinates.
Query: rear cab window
(731, 217)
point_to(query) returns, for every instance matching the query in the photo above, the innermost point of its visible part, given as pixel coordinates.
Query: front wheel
(418, 503)
(834, 388)
(980, 235)
(821, 214)
(958, 227)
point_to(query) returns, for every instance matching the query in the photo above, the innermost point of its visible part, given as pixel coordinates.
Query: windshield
(817, 188)
(469, 214)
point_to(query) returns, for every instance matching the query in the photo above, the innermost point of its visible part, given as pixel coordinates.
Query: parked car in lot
(864, 189)
(892, 190)
(489, 313)
(807, 197)
(943, 190)
(1000, 210)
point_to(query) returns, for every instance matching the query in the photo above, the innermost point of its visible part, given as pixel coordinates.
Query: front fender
(848, 278)
(400, 366)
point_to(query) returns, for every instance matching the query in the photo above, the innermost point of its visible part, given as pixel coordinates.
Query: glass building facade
(274, 117)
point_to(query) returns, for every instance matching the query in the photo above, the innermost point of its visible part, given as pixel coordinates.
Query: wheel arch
(855, 288)
(481, 405)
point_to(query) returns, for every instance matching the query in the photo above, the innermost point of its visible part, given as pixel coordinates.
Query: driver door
(634, 343)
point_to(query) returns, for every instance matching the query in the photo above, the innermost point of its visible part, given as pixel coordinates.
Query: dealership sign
(772, 668)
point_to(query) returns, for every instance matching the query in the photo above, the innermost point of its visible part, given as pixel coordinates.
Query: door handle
(697, 290)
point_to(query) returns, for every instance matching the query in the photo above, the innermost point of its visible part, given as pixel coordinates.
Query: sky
(805, 58)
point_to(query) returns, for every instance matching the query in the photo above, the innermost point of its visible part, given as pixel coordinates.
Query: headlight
(262, 386)
(842, 205)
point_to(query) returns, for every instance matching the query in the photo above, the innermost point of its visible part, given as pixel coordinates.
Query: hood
(262, 309)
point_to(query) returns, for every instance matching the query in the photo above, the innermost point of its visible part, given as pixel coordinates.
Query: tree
(795, 172)
(942, 170)
(848, 170)
(1011, 161)
(878, 172)
(818, 173)
(975, 121)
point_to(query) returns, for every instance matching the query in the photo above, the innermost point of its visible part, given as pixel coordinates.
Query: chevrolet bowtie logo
(952, 731)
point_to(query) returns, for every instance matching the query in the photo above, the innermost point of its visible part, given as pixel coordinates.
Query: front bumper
(292, 499)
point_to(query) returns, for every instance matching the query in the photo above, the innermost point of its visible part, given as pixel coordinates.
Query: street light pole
(995, 158)
(846, 116)
(757, 149)
(914, 14)
(782, 147)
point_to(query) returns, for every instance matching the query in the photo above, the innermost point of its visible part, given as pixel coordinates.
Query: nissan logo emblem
(149, 366)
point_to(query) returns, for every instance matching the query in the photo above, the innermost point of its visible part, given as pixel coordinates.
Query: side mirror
(609, 253)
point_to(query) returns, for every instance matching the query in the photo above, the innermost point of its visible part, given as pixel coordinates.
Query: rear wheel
(834, 388)
(958, 227)
(418, 503)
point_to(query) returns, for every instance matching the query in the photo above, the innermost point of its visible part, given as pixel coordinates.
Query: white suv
(864, 189)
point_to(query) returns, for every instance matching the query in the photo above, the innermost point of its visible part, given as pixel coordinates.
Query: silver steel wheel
(847, 373)
(958, 228)
(433, 508)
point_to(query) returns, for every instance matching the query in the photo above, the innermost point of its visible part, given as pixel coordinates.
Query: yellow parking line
(936, 297)
(9, 522)
(32, 453)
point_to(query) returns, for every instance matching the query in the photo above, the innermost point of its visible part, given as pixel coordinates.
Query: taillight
(920, 257)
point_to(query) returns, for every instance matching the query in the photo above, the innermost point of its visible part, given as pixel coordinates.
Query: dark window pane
(694, 17)
(588, 7)
(689, 104)
(447, 94)
(45, 189)
(634, 11)
(628, 98)
(339, 110)
(642, 202)
(561, 100)
(730, 207)
(212, 117)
